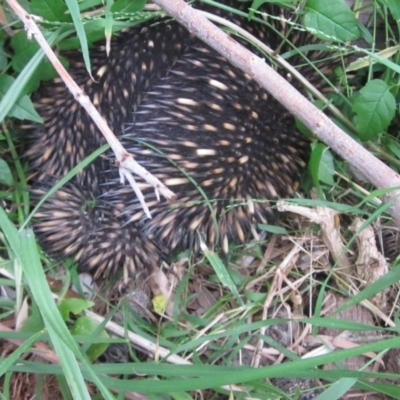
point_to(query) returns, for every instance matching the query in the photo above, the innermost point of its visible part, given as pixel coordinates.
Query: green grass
(226, 310)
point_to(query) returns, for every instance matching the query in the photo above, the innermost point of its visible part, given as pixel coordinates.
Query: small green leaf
(51, 10)
(221, 271)
(73, 305)
(331, 20)
(321, 165)
(375, 107)
(85, 326)
(34, 323)
(160, 303)
(128, 6)
(394, 7)
(23, 108)
(237, 279)
(5, 173)
(24, 51)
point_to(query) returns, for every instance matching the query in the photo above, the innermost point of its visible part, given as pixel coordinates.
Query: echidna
(201, 126)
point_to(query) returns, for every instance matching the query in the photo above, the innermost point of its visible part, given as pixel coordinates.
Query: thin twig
(152, 349)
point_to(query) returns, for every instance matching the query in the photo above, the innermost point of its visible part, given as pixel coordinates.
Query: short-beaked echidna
(203, 127)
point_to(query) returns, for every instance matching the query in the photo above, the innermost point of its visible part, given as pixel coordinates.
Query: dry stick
(379, 174)
(149, 347)
(124, 160)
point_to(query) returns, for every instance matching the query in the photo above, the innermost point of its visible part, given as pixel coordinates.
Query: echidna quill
(212, 135)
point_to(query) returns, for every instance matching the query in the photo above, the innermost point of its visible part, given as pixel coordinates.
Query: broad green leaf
(331, 20)
(24, 49)
(25, 53)
(394, 7)
(375, 108)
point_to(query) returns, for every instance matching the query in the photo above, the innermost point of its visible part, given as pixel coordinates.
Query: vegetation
(281, 304)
